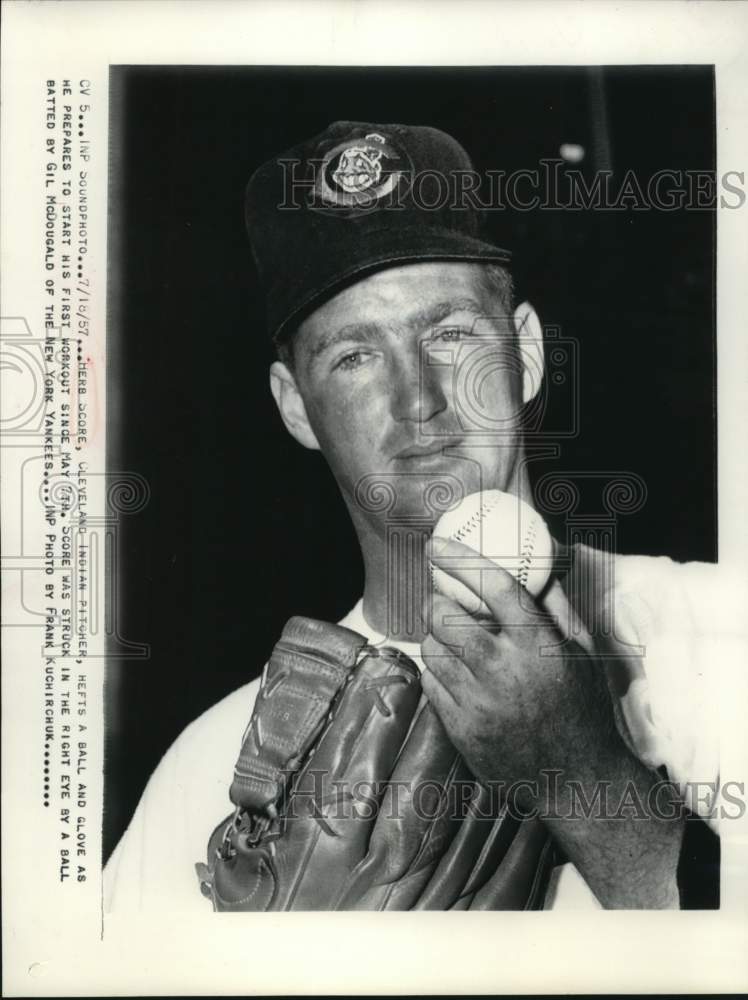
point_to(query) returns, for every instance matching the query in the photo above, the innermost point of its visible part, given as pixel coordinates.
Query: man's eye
(354, 359)
(450, 333)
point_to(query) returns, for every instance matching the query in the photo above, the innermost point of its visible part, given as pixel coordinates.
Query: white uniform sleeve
(688, 624)
(686, 619)
(153, 866)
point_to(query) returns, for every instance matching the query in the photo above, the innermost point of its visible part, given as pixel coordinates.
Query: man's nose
(418, 394)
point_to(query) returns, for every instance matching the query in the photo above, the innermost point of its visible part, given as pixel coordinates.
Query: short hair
(284, 349)
(495, 279)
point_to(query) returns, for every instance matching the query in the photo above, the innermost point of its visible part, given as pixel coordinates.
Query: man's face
(411, 378)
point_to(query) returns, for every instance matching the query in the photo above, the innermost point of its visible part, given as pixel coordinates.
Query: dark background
(243, 527)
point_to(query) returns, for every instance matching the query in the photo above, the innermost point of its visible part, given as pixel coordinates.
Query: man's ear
(530, 344)
(291, 405)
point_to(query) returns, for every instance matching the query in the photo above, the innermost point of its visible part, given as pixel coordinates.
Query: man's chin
(420, 490)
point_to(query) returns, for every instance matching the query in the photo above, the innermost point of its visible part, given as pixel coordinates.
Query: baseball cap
(352, 200)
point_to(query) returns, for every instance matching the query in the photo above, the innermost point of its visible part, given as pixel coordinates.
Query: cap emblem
(359, 173)
(359, 167)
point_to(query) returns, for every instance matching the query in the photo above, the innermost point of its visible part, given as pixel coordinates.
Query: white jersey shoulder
(153, 866)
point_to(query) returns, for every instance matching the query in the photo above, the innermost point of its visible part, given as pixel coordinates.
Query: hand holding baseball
(511, 699)
(515, 710)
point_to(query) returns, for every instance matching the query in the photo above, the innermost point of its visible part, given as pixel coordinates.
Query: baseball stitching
(527, 552)
(528, 548)
(485, 508)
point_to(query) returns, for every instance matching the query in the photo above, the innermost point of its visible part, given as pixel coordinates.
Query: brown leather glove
(349, 795)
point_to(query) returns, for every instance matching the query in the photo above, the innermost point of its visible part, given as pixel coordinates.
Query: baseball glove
(349, 795)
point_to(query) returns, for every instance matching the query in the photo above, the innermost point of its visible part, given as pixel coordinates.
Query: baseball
(502, 528)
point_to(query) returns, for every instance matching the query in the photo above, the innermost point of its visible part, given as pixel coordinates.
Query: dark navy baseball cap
(353, 200)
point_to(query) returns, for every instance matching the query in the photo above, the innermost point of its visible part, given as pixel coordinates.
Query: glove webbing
(288, 717)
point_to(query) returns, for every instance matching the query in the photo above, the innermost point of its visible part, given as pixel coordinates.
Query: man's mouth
(419, 451)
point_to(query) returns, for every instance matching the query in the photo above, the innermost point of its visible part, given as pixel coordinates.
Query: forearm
(623, 835)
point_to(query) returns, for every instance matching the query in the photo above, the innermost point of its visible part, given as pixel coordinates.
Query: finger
(448, 669)
(505, 597)
(440, 697)
(565, 618)
(447, 619)
(455, 629)
(476, 645)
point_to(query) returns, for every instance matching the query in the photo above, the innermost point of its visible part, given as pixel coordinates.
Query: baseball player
(376, 276)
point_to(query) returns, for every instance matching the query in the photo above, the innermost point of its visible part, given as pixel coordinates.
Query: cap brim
(387, 248)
